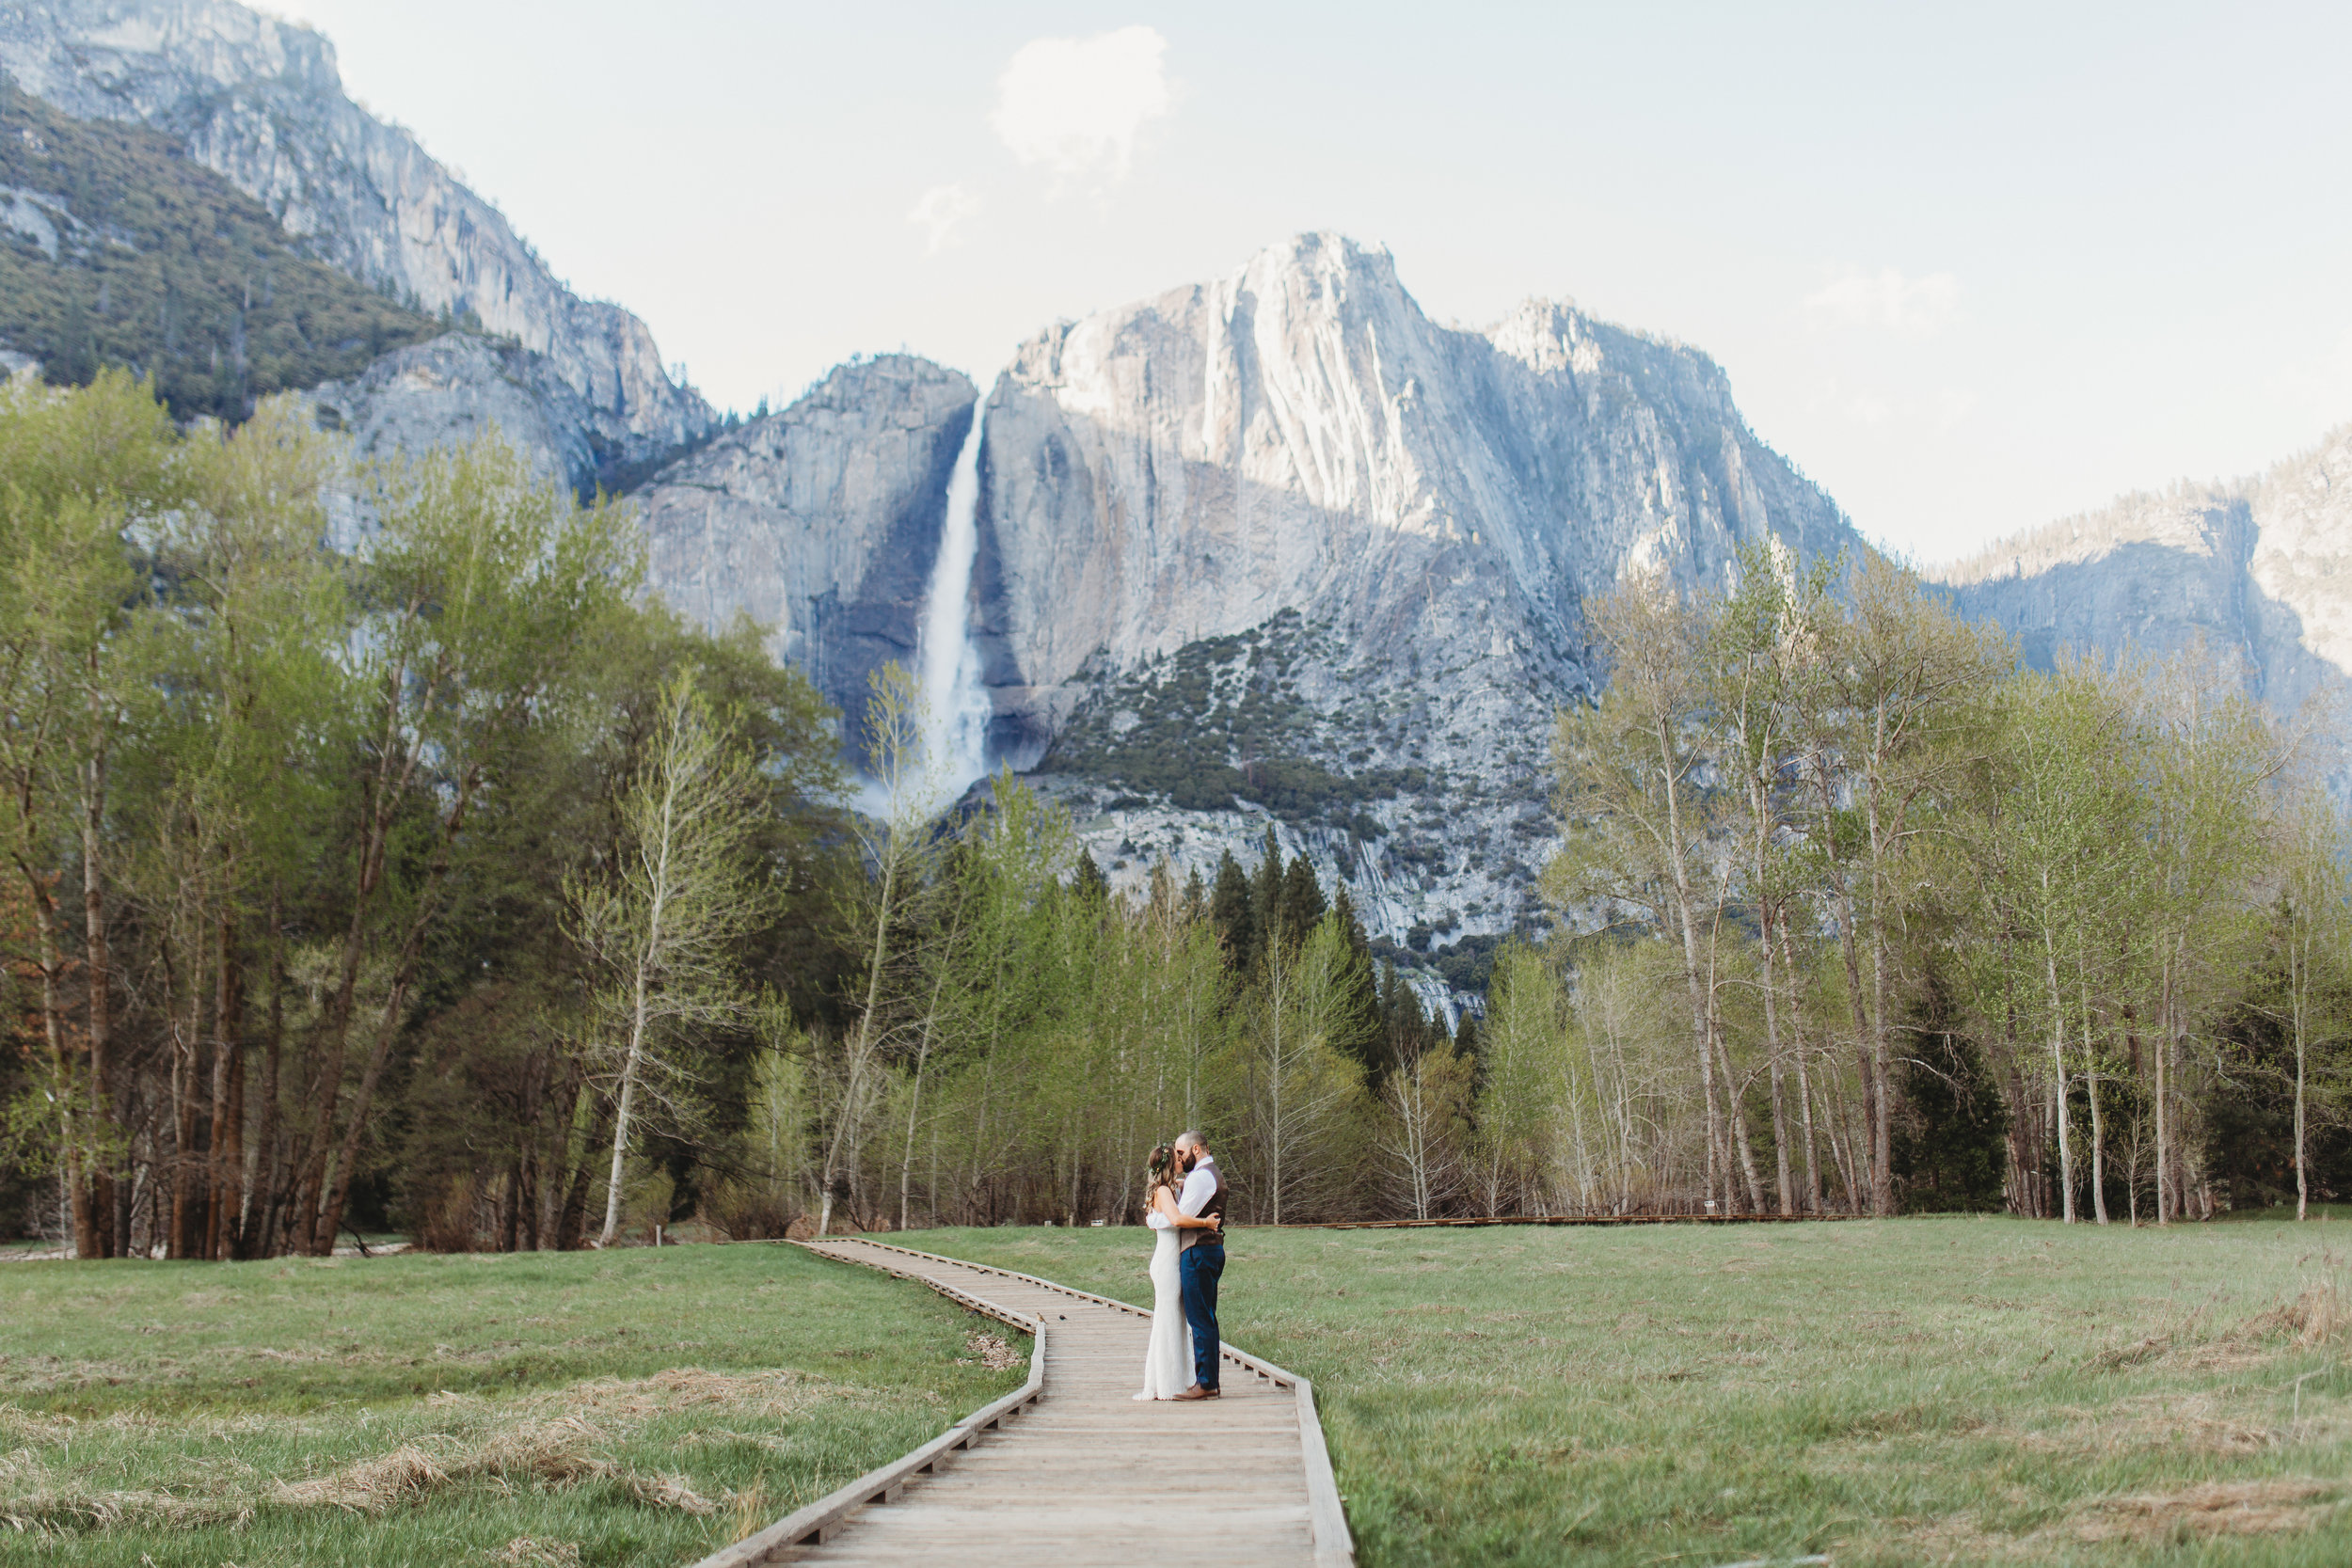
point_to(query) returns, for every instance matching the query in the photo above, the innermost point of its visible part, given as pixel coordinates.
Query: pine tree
(1371, 1047)
(1092, 888)
(1232, 911)
(1466, 1034)
(1344, 905)
(1266, 894)
(1404, 1028)
(1196, 904)
(1302, 899)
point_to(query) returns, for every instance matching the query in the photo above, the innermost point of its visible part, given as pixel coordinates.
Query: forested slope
(116, 248)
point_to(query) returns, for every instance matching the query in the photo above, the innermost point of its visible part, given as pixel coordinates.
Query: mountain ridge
(260, 102)
(1269, 552)
(2258, 569)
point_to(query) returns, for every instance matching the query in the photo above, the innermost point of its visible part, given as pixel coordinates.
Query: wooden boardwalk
(1080, 1473)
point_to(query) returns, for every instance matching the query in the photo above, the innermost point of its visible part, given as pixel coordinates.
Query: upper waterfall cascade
(956, 707)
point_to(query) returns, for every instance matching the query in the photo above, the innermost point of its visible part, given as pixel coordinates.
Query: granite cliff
(1277, 551)
(820, 522)
(260, 102)
(1274, 551)
(2259, 570)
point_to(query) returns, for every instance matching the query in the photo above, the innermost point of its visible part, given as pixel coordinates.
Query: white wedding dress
(1168, 1362)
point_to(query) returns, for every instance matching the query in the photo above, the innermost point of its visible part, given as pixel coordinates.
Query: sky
(1972, 268)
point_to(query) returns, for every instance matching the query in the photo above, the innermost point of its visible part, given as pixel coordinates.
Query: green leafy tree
(473, 591)
(78, 470)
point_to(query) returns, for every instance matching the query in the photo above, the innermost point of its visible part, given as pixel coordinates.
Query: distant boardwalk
(1086, 1474)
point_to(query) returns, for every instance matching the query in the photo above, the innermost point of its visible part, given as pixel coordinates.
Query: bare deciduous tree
(664, 924)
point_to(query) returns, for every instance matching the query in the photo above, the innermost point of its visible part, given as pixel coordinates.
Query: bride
(1167, 1364)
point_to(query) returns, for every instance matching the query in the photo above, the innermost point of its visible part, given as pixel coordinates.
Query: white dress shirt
(1199, 1187)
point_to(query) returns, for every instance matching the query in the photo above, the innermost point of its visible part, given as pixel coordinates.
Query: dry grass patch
(2318, 1316)
(371, 1486)
(2194, 1422)
(992, 1351)
(562, 1437)
(2203, 1511)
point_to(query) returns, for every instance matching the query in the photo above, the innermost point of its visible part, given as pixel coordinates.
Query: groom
(1203, 1260)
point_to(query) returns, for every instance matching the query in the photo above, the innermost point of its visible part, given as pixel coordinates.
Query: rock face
(1300, 436)
(260, 101)
(1277, 551)
(451, 388)
(1272, 552)
(821, 522)
(2260, 570)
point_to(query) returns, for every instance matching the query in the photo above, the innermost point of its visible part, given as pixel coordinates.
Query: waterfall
(956, 706)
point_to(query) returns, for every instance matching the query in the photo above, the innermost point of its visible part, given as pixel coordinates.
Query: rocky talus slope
(260, 102)
(2259, 571)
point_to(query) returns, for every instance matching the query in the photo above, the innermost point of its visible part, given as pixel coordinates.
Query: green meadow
(633, 1407)
(1895, 1392)
(1881, 1392)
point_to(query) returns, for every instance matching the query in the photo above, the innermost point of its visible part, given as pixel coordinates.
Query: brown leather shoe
(1196, 1392)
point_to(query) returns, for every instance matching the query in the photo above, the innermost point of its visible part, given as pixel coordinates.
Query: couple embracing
(1187, 1204)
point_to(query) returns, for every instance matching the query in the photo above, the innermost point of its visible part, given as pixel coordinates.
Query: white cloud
(1867, 408)
(1075, 104)
(940, 209)
(1888, 299)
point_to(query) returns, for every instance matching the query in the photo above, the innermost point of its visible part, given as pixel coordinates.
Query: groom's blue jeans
(1201, 1267)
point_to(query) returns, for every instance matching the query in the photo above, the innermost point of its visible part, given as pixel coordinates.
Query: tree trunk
(1849, 948)
(2057, 1059)
(1718, 1172)
(80, 1220)
(2164, 1128)
(853, 1086)
(1833, 1122)
(330, 1219)
(266, 1184)
(394, 764)
(186, 1041)
(922, 1061)
(101, 1195)
(629, 1068)
(330, 1216)
(1881, 1108)
(2098, 1151)
(227, 1139)
(1804, 1118)
(1771, 1050)
(571, 1224)
(2303, 1180)
(1736, 1112)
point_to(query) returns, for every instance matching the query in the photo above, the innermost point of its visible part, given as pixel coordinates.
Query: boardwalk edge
(818, 1522)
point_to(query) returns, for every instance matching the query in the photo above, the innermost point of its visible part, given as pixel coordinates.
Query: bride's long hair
(1162, 1169)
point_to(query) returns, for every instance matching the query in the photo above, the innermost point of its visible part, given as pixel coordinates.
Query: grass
(635, 1407)
(1898, 1392)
